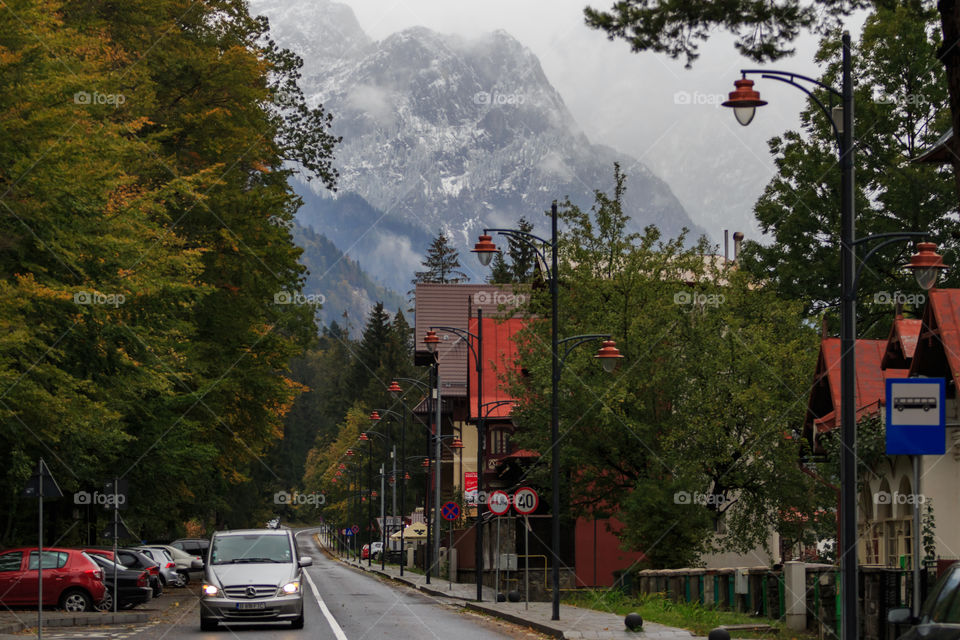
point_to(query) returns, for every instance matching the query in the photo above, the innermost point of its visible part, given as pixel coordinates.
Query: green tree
(900, 94)
(689, 435)
(442, 264)
(522, 265)
(765, 31)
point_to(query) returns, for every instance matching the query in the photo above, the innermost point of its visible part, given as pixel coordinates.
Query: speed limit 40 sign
(525, 500)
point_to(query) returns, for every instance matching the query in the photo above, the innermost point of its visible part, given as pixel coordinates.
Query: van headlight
(291, 588)
(211, 590)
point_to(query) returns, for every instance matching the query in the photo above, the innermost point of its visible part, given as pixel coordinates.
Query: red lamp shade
(374, 416)
(342, 466)
(425, 463)
(350, 452)
(394, 388)
(744, 101)
(374, 494)
(456, 444)
(363, 436)
(431, 340)
(609, 355)
(406, 476)
(485, 249)
(926, 265)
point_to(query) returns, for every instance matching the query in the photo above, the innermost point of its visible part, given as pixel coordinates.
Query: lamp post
(397, 392)
(432, 342)
(925, 265)
(485, 250)
(481, 436)
(375, 417)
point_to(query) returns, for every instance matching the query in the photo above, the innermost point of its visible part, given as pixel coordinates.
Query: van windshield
(252, 548)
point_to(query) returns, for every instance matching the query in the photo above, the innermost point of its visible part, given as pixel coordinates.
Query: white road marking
(337, 631)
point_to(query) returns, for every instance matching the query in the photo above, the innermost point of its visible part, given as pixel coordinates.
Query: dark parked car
(940, 614)
(73, 581)
(133, 584)
(193, 546)
(135, 560)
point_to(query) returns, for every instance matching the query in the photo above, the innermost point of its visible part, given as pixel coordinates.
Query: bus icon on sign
(915, 403)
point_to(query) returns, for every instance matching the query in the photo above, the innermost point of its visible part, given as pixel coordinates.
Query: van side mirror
(306, 561)
(901, 615)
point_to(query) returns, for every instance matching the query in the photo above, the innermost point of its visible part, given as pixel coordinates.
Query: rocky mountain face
(444, 134)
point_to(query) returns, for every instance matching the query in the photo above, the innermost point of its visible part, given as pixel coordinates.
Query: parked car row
(82, 579)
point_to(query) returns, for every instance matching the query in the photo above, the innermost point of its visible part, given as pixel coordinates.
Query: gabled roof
(870, 386)
(498, 357)
(938, 349)
(901, 343)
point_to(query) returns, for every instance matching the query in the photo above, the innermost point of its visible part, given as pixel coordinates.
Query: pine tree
(442, 264)
(500, 271)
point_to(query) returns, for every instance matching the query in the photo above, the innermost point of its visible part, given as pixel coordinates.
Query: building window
(499, 442)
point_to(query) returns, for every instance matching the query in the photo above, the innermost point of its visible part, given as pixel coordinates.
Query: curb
(516, 619)
(77, 620)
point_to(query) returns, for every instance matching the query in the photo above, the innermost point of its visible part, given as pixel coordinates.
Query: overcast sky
(646, 105)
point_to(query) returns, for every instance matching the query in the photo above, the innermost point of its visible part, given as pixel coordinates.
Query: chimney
(726, 246)
(737, 241)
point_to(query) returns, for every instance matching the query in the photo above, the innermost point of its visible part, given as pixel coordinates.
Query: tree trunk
(949, 55)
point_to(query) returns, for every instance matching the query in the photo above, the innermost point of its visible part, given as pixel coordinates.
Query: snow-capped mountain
(442, 133)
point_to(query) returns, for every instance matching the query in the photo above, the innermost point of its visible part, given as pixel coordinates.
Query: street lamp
(396, 391)
(375, 417)
(481, 436)
(925, 264)
(485, 250)
(432, 342)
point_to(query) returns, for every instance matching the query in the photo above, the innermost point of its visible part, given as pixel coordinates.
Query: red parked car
(73, 581)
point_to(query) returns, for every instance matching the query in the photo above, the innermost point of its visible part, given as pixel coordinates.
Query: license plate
(244, 606)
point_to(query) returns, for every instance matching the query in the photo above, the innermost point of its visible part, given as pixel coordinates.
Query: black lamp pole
(744, 100)
(481, 437)
(485, 250)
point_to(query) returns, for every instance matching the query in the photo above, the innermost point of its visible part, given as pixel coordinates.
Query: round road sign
(525, 500)
(450, 511)
(498, 503)
(356, 528)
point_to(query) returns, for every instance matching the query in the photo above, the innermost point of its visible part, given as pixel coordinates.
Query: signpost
(41, 485)
(499, 503)
(916, 421)
(525, 502)
(450, 512)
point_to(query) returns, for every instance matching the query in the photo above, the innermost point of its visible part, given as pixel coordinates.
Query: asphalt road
(339, 604)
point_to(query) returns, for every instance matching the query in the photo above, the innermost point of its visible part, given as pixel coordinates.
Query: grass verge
(694, 617)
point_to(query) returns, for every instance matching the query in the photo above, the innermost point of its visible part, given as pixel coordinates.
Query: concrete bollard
(452, 565)
(409, 557)
(794, 594)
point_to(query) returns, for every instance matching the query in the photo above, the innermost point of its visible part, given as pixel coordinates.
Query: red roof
(902, 343)
(941, 317)
(870, 387)
(499, 356)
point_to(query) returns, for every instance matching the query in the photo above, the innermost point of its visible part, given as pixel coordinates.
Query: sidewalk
(574, 622)
(13, 622)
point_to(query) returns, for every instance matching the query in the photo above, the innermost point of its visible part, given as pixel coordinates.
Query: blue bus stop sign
(916, 416)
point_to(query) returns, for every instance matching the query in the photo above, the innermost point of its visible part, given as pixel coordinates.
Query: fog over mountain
(444, 133)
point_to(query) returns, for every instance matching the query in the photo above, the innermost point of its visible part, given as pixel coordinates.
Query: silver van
(253, 575)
